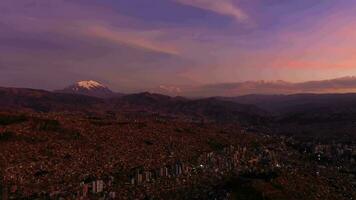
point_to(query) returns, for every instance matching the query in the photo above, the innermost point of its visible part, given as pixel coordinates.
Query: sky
(137, 45)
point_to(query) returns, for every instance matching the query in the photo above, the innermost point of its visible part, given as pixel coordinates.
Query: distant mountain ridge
(337, 85)
(45, 101)
(206, 108)
(329, 86)
(320, 115)
(298, 102)
(83, 96)
(281, 114)
(210, 108)
(335, 111)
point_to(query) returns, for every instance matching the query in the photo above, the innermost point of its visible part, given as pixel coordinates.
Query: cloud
(144, 40)
(223, 7)
(339, 85)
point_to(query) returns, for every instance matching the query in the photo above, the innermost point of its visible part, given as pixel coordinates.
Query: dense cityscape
(88, 155)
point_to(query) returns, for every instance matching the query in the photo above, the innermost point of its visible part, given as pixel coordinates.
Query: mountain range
(232, 89)
(92, 96)
(337, 85)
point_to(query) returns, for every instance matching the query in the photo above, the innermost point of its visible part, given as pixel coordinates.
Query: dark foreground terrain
(146, 146)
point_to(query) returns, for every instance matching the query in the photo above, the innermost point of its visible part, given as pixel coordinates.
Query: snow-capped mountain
(89, 88)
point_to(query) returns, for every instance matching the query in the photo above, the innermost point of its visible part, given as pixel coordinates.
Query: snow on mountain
(89, 88)
(89, 85)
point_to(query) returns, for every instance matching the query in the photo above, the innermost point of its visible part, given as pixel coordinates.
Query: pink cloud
(223, 7)
(329, 43)
(140, 39)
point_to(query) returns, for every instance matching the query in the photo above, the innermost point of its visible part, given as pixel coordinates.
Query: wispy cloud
(223, 7)
(143, 40)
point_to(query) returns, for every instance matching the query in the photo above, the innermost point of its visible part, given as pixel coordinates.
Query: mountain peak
(90, 84)
(89, 88)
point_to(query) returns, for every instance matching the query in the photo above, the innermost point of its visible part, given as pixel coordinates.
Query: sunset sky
(135, 45)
